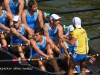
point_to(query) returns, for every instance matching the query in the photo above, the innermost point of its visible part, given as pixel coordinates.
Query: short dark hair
(39, 30)
(1, 2)
(31, 2)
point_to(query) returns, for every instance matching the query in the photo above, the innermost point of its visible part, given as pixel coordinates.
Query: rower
(4, 25)
(67, 36)
(42, 46)
(53, 29)
(80, 42)
(18, 32)
(32, 14)
(14, 7)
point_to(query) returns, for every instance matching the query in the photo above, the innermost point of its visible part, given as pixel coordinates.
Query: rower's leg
(41, 66)
(54, 62)
(82, 67)
(71, 68)
(20, 51)
(3, 40)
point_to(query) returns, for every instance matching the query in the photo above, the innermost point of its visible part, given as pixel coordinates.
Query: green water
(87, 17)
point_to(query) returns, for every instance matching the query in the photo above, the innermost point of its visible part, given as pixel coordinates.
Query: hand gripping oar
(27, 59)
(2, 32)
(76, 66)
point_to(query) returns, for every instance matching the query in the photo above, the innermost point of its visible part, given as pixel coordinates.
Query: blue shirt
(14, 7)
(31, 20)
(15, 39)
(40, 46)
(52, 32)
(3, 19)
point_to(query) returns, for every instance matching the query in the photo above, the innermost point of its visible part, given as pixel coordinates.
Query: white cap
(16, 18)
(70, 28)
(55, 17)
(77, 22)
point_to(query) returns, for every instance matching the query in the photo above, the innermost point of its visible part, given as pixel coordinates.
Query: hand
(27, 42)
(47, 57)
(62, 56)
(68, 56)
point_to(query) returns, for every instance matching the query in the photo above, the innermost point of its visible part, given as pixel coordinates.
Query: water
(87, 17)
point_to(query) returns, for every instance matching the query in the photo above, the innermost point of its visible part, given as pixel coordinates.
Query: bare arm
(45, 27)
(7, 6)
(60, 31)
(21, 6)
(33, 44)
(72, 41)
(29, 31)
(4, 27)
(54, 47)
(24, 17)
(40, 17)
(14, 32)
(9, 15)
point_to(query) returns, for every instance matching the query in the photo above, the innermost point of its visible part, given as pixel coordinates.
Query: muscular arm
(14, 32)
(4, 27)
(60, 30)
(45, 27)
(7, 6)
(21, 6)
(54, 47)
(24, 17)
(33, 45)
(29, 31)
(40, 18)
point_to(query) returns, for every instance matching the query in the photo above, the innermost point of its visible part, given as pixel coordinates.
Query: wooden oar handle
(2, 32)
(16, 45)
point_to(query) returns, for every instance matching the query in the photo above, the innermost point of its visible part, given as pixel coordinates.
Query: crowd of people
(20, 25)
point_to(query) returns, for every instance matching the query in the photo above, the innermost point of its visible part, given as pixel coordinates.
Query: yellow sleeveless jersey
(81, 45)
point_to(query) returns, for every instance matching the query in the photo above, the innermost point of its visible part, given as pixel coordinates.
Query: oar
(2, 32)
(89, 24)
(95, 55)
(14, 45)
(74, 11)
(96, 37)
(27, 59)
(71, 56)
(43, 0)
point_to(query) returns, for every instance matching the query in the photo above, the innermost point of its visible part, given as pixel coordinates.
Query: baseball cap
(16, 18)
(54, 17)
(77, 22)
(70, 28)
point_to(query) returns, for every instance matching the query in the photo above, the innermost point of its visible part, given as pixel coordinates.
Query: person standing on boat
(80, 42)
(41, 47)
(18, 33)
(3, 24)
(53, 29)
(14, 7)
(32, 15)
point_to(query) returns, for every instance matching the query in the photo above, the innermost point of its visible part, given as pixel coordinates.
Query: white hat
(77, 22)
(70, 28)
(55, 17)
(16, 18)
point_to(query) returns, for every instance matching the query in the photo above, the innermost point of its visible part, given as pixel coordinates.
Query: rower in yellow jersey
(80, 42)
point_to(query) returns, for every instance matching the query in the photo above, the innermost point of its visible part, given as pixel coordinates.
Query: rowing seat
(86, 70)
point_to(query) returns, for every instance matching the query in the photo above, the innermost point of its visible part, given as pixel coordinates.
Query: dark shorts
(80, 57)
